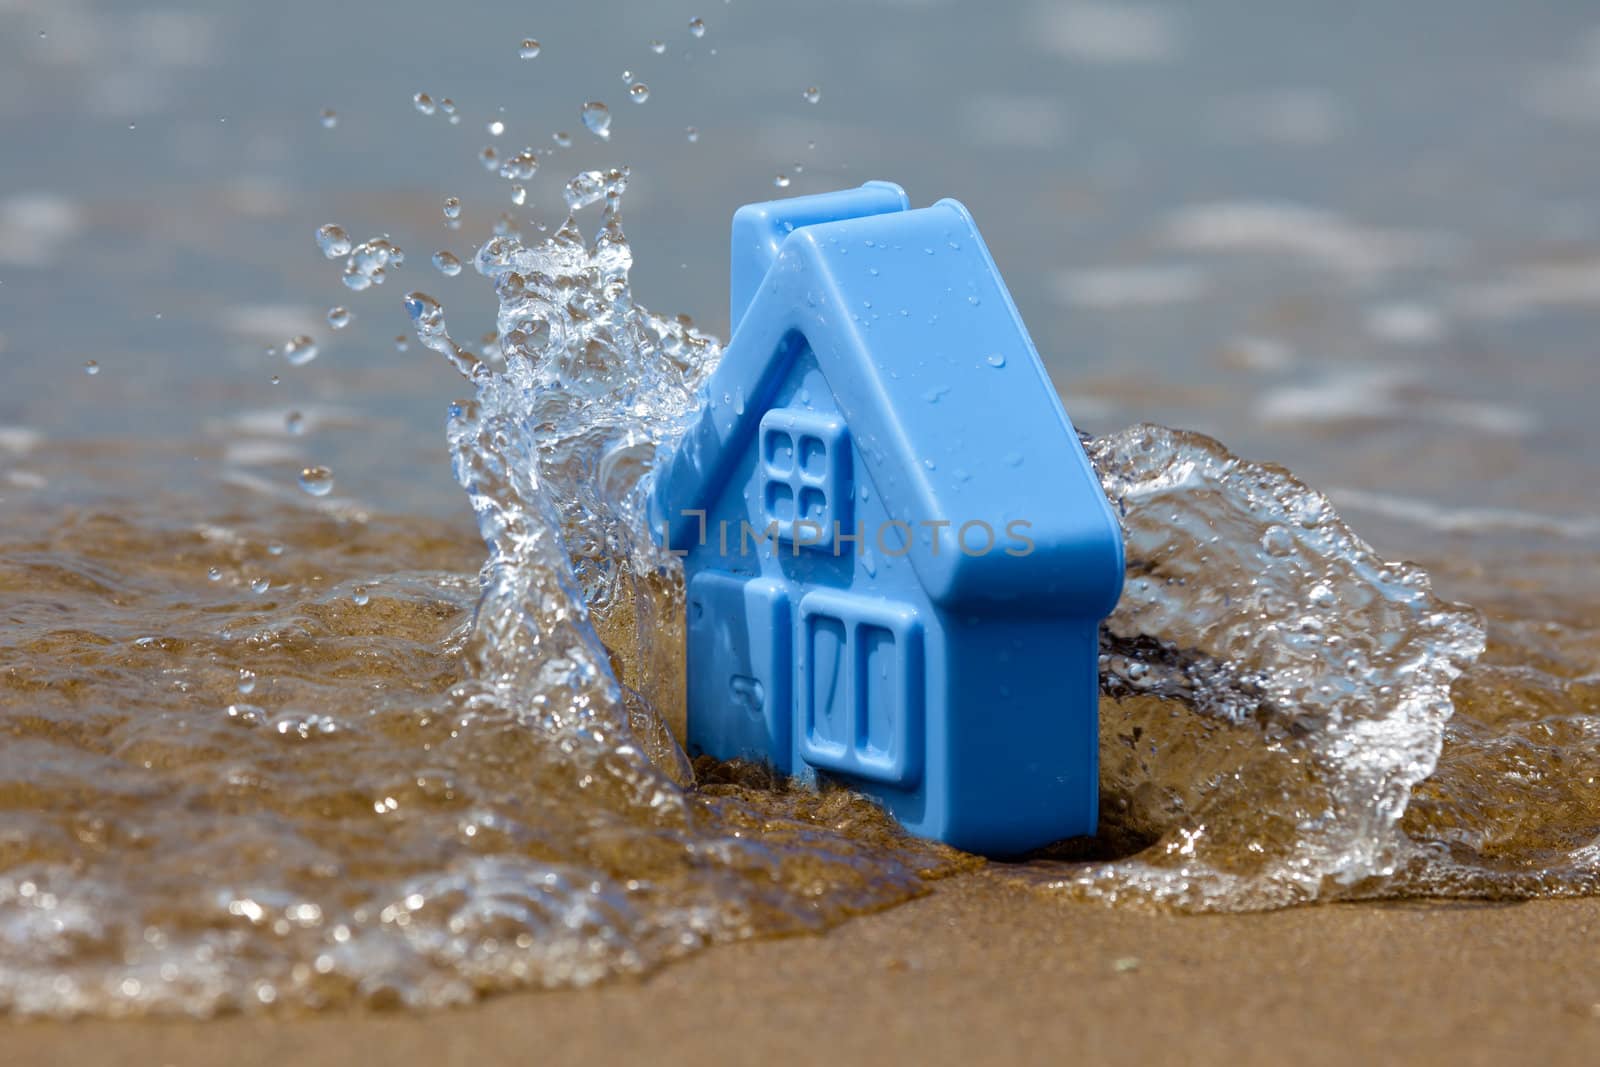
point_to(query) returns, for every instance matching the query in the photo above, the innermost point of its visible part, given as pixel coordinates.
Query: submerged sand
(980, 971)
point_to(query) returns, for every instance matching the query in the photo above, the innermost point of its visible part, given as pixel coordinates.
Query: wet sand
(980, 971)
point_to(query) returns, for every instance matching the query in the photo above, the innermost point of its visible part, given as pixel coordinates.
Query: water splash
(1321, 675)
(553, 448)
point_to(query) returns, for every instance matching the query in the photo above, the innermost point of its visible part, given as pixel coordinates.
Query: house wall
(1020, 749)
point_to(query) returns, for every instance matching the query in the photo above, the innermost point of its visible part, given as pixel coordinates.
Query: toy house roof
(945, 397)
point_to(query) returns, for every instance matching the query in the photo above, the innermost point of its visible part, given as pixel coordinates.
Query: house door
(861, 687)
(739, 669)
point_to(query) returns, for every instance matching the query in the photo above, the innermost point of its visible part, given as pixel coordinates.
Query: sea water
(360, 772)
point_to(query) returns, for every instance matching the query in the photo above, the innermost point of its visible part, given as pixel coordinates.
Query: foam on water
(296, 758)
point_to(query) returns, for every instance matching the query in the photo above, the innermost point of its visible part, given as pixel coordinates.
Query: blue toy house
(897, 553)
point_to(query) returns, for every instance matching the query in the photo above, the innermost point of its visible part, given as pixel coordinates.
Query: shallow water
(269, 747)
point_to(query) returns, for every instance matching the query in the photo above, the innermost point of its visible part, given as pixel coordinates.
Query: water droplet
(360, 596)
(627, 76)
(781, 181)
(452, 207)
(562, 138)
(401, 343)
(318, 481)
(295, 423)
(593, 186)
(995, 359)
(214, 574)
(529, 49)
(333, 241)
(338, 317)
(658, 47)
(247, 679)
(495, 127)
(520, 167)
(638, 92)
(260, 585)
(447, 263)
(489, 158)
(693, 133)
(697, 27)
(812, 94)
(275, 379)
(448, 106)
(300, 350)
(91, 368)
(275, 548)
(369, 263)
(597, 117)
(330, 118)
(1277, 541)
(423, 103)
(519, 195)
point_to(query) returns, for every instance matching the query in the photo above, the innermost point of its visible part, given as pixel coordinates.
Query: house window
(805, 476)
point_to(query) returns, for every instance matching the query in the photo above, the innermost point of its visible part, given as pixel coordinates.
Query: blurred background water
(1362, 241)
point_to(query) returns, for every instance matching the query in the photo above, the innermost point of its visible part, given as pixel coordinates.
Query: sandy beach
(979, 971)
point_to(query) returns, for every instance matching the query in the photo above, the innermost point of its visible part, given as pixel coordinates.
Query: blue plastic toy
(897, 553)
